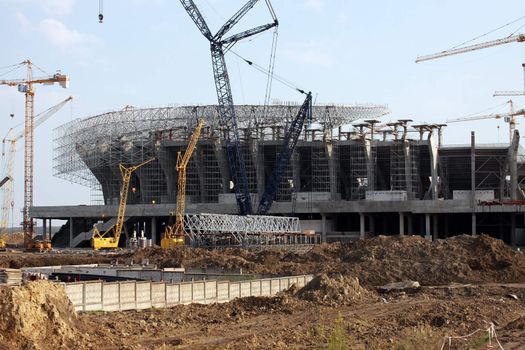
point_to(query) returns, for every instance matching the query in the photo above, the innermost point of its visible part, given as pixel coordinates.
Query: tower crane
(174, 234)
(508, 117)
(26, 86)
(513, 93)
(227, 117)
(510, 39)
(102, 240)
(9, 161)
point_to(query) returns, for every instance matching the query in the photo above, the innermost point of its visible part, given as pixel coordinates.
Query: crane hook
(100, 10)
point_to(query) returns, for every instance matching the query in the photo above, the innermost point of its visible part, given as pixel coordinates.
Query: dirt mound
(338, 289)
(36, 315)
(376, 261)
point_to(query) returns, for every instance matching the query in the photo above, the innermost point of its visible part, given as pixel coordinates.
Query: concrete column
(223, 166)
(370, 165)
(323, 228)
(433, 166)
(71, 232)
(201, 174)
(427, 227)
(513, 165)
(332, 168)
(435, 232)
(410, 230)
(154, 230)
(408, 169)
(472, 169)
(474, 224)
(361, 226)
(401, 224)
(49, 231)
(513, 230)
(44, 229)
(258, 157)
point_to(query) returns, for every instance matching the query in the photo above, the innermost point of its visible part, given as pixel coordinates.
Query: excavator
(174, 234)
(110, 238)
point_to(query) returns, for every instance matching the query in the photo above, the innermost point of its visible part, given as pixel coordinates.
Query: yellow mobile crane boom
(103, 240)
(174, 234)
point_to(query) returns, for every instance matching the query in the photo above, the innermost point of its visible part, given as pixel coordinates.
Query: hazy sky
(149, 53)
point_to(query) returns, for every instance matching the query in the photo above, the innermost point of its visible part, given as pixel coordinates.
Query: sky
(149, 53)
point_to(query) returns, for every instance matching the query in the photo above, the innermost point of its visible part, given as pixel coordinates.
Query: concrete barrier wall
(137, 295)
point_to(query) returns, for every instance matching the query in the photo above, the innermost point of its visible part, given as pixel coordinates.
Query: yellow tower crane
(102, 240)
(174, 234)
(26, 86)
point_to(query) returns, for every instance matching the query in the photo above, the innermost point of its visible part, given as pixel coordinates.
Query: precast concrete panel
(75, 293)
(245, 289)
(210, 291)
(172, 294)
(223, 290)
(92, 296)
(198, 292)
(255, 287)
(235, 290)
(266, 287)
(186, 290)
(143, 295)
(158, 294)
(274, 289)
(283, 283)
(127, 296)
(292, 280)
(110, 297)
(308, 278)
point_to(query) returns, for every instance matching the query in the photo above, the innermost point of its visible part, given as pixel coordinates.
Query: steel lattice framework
(240, 228)
(121, 136)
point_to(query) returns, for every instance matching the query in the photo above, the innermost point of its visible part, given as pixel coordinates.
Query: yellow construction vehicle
(104, 240)
(174, 234)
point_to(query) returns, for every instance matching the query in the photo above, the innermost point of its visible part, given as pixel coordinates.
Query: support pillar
(427, 227)
(44, 229)
(323, 228)
(370, 165)
(472, 170)
(154, 230)
(71, 232)
(49, 231)
(401, 224)
(332, 169)
(361, 226)
(408, 169)
(474, 224)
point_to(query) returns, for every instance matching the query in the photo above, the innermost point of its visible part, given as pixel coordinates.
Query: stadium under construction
(352, 175)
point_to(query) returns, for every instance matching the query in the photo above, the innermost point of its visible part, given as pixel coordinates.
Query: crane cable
(271, 67)
(278, 78)
(490, 32)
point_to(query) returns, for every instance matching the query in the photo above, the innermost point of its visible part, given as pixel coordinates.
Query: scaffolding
(404, 168)
(88, 151)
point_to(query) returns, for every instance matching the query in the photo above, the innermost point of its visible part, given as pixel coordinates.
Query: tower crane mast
(227, 116)
(26, 86)
(9, 161)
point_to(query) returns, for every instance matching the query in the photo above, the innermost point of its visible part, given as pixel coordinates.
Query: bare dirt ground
(467, 284)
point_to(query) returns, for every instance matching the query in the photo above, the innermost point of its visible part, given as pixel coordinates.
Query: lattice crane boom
(475, 47)
(226, 109)
(174, 234)
(101, 240)
(26, 86)
(290, 141)
(9, 159)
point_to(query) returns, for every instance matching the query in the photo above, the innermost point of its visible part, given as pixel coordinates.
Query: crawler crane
(103, 240)
(174, 234)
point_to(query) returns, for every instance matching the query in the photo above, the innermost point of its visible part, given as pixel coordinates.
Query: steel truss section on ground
(223, 229)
